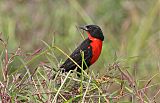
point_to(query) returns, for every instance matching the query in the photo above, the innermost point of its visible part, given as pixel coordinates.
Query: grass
(35, 40)
(44, 84)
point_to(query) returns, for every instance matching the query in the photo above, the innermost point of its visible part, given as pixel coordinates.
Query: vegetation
(37, 35)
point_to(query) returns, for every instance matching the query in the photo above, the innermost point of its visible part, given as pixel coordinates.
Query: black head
(94, 30)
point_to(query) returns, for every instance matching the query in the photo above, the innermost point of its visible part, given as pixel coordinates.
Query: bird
(91, 47)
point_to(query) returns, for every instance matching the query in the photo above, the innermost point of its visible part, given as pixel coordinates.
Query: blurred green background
(131, 29)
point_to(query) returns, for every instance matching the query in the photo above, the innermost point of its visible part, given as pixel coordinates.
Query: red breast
(96, 48)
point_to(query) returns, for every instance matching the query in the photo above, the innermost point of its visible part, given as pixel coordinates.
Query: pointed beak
(83, 28)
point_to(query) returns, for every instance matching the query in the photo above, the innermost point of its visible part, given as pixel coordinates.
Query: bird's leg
(79, 72)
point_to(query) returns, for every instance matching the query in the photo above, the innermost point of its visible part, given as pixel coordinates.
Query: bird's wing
(77, 56)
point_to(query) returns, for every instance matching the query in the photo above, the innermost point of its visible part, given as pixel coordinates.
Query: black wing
(76, 56)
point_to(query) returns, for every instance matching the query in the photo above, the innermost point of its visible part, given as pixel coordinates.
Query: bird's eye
(88, 27)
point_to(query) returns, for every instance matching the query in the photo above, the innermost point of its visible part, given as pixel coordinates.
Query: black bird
(91, 48)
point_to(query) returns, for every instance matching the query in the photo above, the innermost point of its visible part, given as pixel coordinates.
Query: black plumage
(77, 57)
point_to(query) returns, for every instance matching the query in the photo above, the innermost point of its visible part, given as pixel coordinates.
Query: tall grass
(32, 33)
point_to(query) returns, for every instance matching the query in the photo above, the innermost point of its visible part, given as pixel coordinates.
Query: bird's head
(93, 31)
